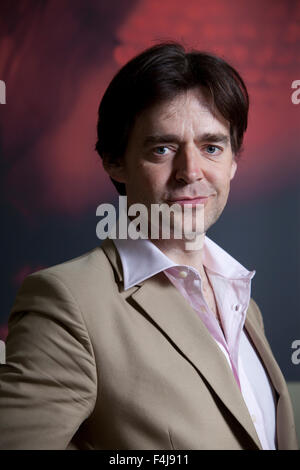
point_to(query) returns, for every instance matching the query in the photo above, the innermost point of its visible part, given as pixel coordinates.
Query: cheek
(144, 186)
(220, 179)
(153, 177)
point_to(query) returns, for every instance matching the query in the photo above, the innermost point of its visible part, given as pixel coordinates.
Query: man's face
(179, 151)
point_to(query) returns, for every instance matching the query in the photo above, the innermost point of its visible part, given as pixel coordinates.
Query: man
(145, 344)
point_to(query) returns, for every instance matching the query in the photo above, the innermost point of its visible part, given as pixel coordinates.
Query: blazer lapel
(284, 413)
(265, 353)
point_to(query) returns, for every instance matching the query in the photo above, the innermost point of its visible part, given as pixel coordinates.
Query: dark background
(58, 56)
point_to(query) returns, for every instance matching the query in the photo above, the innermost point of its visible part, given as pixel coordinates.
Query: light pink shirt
(231, 282)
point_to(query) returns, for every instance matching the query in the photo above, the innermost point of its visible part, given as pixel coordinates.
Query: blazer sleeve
(48, 384)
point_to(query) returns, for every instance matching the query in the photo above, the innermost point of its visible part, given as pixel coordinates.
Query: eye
(213, 150)
(161, 150)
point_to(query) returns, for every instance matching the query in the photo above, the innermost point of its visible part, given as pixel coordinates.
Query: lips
(189, 200)
(186, 198)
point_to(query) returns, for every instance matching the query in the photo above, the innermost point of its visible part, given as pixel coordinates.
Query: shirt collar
(142, 259)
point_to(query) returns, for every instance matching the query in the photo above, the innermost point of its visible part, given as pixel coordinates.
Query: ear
(115, 169)
(233, 167)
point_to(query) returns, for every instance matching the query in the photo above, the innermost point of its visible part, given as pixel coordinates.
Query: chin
(211, 220)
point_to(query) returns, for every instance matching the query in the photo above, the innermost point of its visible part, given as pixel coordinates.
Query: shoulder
(71, 285)
(89, 268)
(91, 263)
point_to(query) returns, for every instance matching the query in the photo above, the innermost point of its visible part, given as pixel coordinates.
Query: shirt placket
(189, 283)
(232, 297)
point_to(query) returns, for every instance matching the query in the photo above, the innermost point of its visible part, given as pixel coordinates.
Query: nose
(188, 165)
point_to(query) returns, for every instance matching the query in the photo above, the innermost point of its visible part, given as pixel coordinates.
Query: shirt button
(196, 282)
(236, 307)
(183, 274)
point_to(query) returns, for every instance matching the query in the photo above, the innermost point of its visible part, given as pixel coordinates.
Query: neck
(176, 250)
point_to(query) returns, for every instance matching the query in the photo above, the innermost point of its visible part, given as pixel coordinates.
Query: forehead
(188, 112)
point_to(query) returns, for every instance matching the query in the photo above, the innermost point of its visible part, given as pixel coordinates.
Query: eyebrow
(166, 138)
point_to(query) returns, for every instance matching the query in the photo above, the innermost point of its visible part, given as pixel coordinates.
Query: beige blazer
(90, 366)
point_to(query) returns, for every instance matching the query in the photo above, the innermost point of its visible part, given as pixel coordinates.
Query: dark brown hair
(159, 74)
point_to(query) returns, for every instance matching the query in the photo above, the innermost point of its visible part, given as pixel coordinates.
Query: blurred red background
(58, 56)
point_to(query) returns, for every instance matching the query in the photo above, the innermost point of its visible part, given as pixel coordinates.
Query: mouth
(188, 200)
